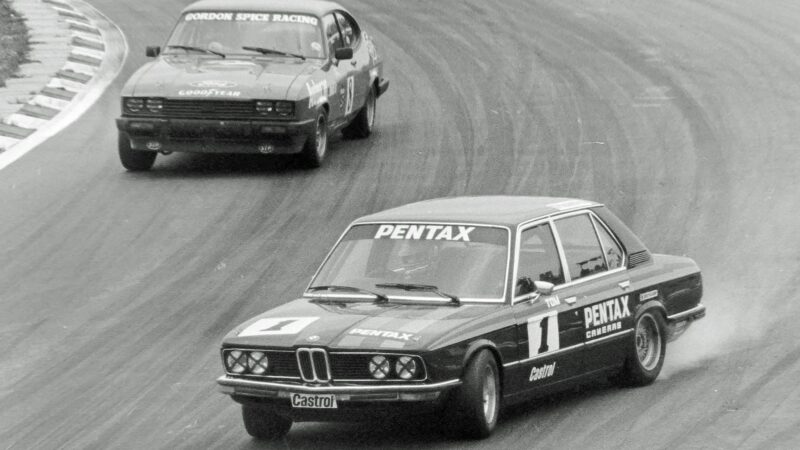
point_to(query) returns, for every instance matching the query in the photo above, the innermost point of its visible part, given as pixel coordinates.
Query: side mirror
(343, 53)
(152, 52)
(543, 287)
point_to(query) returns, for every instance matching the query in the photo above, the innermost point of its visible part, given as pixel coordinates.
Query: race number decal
(351, 90)
(277, 325)
(543, 334)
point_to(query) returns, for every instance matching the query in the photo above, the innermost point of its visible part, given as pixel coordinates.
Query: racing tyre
(361, 126)
(264, 424)
(316, 146)
(133, 160)
(475, 405)
(646, 350)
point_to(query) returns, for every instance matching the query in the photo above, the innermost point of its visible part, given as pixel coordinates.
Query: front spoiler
(269, 389)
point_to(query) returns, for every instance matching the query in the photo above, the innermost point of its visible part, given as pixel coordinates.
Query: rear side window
(538, 259)
(611, 250)
(582, 249)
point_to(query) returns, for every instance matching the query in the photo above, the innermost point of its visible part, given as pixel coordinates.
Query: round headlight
(379, 367)
(257, 363)
(406, 367)
(235, 361)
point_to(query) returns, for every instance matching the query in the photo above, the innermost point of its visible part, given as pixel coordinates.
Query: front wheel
(133, 160)
(264, 424)
(316, 146)
(475, 405)
(646, 351)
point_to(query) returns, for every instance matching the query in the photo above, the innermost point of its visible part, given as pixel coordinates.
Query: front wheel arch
(484, 344)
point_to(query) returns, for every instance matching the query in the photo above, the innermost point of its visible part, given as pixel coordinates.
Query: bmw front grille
(314, 365)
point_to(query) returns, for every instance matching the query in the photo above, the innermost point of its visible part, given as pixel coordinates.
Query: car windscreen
(227, 32)
(467, 261)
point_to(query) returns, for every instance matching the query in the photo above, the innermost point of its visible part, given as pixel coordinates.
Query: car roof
(311, 7)
(503, 210)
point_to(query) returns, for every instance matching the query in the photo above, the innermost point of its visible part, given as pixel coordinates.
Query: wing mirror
(152, 52)
(343, 53)
(543, 287)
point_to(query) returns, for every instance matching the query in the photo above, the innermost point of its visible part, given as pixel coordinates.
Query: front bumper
(355, 402)
(678, 323)
(215, 135)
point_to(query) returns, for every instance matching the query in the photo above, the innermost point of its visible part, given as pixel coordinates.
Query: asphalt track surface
(682, 116)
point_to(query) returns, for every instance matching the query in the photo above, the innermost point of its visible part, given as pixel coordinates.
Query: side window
(538, 259)
(581, 247)
(612, 250)
(332, 34)
(349, 32)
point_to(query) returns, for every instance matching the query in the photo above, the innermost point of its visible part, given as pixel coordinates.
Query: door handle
(570, 300)
(353, 63)
(625, 284)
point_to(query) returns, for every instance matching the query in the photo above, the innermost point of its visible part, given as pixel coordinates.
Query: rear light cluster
(138, 105)
(275, 108)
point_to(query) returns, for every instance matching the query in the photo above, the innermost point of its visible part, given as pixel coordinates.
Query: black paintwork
(520, 333)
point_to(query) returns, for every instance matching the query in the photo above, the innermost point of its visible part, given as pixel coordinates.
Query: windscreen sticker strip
(250, 17)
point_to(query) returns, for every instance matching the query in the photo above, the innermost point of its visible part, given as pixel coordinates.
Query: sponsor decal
(540, 373)
(605, 317)
(250, 17)
(208, 93)
(552, 302)
(213, 84)
(277, 326)
(313, 401)
(396, 335)
(425, 232)
(644, 296)
(316, 92)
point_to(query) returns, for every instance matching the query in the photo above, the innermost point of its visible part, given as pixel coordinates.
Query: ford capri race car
(246, 76)
(460, 306)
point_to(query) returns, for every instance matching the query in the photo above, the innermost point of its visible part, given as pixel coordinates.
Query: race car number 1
(543, 334)
(351, 92)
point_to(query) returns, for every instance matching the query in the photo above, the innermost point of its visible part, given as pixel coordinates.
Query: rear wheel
(646, 351)
(361, 126)
(264, 424)
(133, 160)
(316, 146)
(475, 405)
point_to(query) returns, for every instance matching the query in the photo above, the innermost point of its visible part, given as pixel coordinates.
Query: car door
(336, 73)
(598, 286)
(549, 327)
(358, 74)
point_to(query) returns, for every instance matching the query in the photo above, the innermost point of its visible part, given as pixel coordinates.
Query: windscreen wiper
(420, 287)
(197, 49)
(272, 51)
(380, 298)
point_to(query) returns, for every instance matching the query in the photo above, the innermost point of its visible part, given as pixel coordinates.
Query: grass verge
(13, 41)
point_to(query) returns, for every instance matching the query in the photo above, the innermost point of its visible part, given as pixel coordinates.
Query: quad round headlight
(257, 362)
(235, 361)
(379, 367)
(406, 367)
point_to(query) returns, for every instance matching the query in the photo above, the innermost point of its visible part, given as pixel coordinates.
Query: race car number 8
(543, 334)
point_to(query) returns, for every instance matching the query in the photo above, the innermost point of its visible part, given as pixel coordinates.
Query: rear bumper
(354, 402)
(215, 135)
(678, 323)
